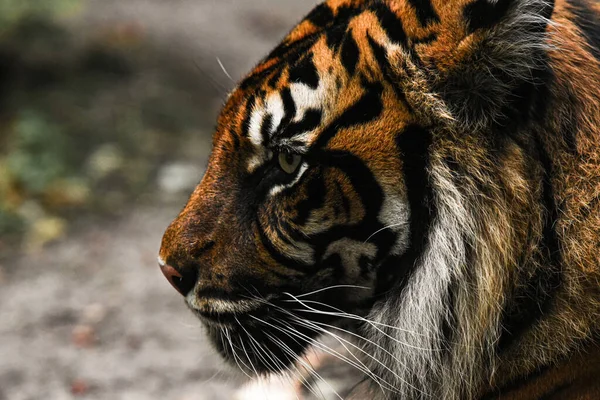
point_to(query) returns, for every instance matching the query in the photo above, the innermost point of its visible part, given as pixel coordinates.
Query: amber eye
(289, 162)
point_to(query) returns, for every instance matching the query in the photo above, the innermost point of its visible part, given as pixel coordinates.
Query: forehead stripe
(350, 53)
(366, 109)
(265, 127)
(390, 23)
(305, 72)
(248, 111)
(310, 121)
(289, 110)
(425, 12)
(321, 15)
(386, 69)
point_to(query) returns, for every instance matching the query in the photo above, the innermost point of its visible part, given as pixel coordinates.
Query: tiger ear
(486, 57)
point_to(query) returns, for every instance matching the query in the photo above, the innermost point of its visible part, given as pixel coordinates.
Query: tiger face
(319, 193)
(304, 192)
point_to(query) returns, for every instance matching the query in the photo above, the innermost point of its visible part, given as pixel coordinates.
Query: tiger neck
(563, 289)
(514, 319)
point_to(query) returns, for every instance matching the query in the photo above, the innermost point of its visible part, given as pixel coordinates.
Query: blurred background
(106, 115)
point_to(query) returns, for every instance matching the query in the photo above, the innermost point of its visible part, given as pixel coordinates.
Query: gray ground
(91, 316)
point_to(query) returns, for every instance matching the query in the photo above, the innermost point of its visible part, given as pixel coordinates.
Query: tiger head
(333, 176)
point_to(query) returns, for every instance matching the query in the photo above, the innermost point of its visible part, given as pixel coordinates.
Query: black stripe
(425, 12)
(339, 26)
(320, 16)
(249, 108)
(534, 297)
(390, 23)
(290, 52)
(350, 53)
(235, 138)
(586, 19)
(315, 198)
(516, 384)
(413, 144)
(286, 53)
(274, 79)
(345, 203)
(485, 14)
(265, 128)
(386, 69)
(366, 109)
(284, 261)
(335, 37)
(289, 110)
(557, 393)
(371, 196)
(305, 72)
(309, 122)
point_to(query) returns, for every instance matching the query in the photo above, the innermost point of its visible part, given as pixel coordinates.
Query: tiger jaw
(274, 336)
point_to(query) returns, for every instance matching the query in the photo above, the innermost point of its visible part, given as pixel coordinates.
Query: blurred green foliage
(38, 152)
(87, 118)
(14, 11)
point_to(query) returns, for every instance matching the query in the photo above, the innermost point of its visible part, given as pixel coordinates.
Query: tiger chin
(420, 181)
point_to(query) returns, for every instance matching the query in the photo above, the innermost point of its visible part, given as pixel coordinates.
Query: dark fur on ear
(500, 59)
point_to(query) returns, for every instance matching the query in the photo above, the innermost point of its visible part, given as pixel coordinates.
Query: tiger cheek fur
(423, 175)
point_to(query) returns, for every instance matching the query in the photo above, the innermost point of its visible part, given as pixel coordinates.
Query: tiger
(420, 181)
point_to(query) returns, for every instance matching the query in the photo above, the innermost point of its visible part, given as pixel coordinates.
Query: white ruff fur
(423, 365)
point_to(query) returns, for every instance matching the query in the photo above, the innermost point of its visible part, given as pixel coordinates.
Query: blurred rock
(134, 342)
(79, 387)
(93, 314)
(178, 177)
(83, 336)
(107, 159)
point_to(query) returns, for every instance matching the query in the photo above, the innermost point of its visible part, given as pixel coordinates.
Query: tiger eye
(289, 162)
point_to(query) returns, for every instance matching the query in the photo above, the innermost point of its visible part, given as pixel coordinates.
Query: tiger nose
(182, 283)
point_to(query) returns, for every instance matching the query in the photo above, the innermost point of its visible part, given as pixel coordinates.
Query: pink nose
(179, 282)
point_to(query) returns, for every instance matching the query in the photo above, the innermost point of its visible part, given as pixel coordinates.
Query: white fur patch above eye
(255, 126)
(276, 110)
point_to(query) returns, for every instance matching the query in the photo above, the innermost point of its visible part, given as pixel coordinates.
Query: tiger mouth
(231, 319)
(257, 344)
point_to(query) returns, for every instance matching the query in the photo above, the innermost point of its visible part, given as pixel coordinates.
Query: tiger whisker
(224, 70)
(244, 348)
(383, 229)
(362, 338)
(310, 324)
(359, 365)
(289, 374)
(332, 287)
(362, 365)
(235, 356)
(341, 313)
(297, 358)
(332, 352)
(310, 369)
